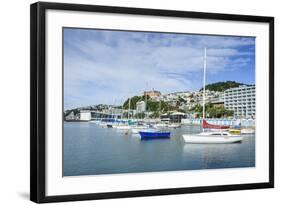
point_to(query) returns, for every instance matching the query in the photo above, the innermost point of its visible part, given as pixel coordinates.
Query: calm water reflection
(90, 149)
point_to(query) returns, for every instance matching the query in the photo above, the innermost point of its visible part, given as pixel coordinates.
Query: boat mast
(145, 95)
(129, 108)
(204, 81)
(145, 112)
(122, 113)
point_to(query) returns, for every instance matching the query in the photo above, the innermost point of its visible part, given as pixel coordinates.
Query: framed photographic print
(129, 102)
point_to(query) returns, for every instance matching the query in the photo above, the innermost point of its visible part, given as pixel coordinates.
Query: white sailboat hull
(201, 139)
(123, 127)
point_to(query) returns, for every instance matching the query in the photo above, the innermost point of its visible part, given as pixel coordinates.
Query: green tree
(150, 106)
(218, 112)
(133, 102)
(222, 86)
(75, 112)
(155, 114)
(212, 111)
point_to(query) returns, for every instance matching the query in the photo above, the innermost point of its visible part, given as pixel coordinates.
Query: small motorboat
(160, 125)
(138, 128)
(247, 131)
(212, 138)
(103, 124)
(109, 126)
(154, 134)
(174, 125)
(94, 121)
(123, 127)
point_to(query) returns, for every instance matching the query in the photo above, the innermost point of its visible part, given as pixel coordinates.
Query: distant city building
(217, 100)
(153, 93)
(242, 100)
(140, 107)
(106, 114)
(85, 115)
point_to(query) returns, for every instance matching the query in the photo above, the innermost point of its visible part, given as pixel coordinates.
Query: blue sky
(103, 66)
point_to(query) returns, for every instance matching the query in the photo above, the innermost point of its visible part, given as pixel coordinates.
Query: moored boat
(137, 129)
(247, 131)
(154, 134)
(94, 121)
(218, 136)
(103, 124)
(212, 138)
(109, 126)
(174, 125)
(160, 125)
(122, 127)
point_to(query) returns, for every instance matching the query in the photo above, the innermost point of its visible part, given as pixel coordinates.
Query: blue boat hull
(154, 135)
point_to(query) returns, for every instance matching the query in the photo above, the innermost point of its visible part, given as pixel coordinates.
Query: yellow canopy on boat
(234, 131)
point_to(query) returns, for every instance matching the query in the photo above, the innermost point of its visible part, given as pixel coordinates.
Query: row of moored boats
(212, 134)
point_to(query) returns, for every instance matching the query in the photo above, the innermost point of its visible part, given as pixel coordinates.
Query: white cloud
(114, 66)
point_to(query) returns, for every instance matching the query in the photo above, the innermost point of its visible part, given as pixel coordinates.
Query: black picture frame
(38, 101)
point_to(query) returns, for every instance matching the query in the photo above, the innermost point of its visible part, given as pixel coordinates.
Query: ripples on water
(90, 149)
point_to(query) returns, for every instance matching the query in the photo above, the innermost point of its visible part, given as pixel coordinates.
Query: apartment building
(242, 100)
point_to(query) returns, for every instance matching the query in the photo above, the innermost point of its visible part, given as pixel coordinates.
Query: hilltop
(152, 105)
(222, 86)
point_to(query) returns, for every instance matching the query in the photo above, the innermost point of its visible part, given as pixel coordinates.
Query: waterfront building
(107, 114)
(153, 93)
(242, 100)
(84, 115)
(174, 117)
(140, 107)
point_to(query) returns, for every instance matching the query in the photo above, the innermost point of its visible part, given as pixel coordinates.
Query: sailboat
(155, 132)
(126, 126)
(217, 137)
(135, 129)
(160, 125)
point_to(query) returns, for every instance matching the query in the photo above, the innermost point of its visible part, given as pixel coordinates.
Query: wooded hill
(222, 86)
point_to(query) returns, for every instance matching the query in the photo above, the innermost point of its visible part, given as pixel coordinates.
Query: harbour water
(90, 149)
